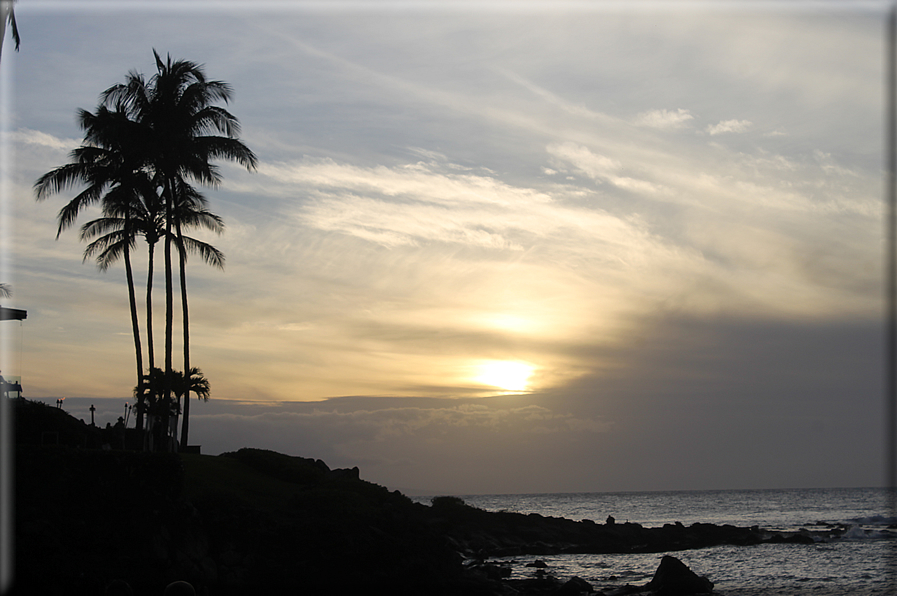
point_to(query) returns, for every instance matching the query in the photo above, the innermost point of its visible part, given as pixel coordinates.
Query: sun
(504, 374)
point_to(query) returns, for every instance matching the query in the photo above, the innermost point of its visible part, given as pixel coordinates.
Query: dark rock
(623, 590)
(490, 571)
(343, 474)
(575, 586)
(537, 563)
(674, 578)
(787, 538)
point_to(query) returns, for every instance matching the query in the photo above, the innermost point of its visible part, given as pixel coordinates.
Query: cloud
(599, 167)
(553, 99)
(416, 204)
(664, 119)
(727, 126)
(27, 136)
(419, 420)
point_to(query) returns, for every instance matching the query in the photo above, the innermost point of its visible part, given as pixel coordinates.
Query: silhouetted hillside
(260, 522)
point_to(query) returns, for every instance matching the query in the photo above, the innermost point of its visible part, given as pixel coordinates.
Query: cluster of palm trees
(147, 141)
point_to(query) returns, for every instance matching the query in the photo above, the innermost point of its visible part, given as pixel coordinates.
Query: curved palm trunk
(135, 326)
(185, 424)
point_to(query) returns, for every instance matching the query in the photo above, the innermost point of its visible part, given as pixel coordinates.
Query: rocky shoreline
(477, 534)
(84, 518)
(256, 521)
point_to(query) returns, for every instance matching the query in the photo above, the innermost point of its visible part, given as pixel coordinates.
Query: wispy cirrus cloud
(600, 167)
(413, 204)
(26, 136)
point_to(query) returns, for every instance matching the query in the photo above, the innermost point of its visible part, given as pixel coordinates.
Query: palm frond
(215, 119)
(215, 147)
(15, 28)
(208, 253)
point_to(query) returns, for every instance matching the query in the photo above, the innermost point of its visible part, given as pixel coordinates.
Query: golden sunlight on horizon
(504, 374)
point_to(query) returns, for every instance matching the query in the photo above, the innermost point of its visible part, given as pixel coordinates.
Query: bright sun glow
(511, 376)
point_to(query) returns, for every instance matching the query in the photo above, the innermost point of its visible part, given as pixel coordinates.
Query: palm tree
(115, 235)
(157, 393)
(176, 105)
(190, 211)
(110, 165)
(151, 234)
(5, 291)
(147, 139)
(117, 243)
(198, 384)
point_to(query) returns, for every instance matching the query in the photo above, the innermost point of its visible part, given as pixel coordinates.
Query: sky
(508, 247)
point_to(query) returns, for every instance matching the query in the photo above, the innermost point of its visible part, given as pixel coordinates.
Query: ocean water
(861, 562)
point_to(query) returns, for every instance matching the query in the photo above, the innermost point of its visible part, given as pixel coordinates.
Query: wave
(874, 520)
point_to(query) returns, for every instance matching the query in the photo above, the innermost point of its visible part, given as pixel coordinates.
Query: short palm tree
(160, 395)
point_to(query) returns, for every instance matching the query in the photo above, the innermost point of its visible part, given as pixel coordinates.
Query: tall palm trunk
(135, 326)
(185, 424)
(149, 305)
(149, 318)
(169, 306)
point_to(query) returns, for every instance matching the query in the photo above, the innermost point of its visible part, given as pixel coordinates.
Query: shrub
(446, 502)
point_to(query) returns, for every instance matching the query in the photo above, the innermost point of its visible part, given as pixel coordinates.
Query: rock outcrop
(674, 578)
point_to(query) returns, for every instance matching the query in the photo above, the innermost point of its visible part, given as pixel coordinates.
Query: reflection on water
(860, 563)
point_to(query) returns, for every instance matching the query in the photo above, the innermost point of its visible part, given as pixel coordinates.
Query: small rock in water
(674, 578)
(537, 563)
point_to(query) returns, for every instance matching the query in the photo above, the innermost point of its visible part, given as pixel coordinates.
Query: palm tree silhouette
(116, 237)
(190, 211)
(160, 393)
(176, 104)
(110, 165)
(147, 139)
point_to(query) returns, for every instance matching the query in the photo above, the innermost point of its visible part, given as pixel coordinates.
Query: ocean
(861, 562)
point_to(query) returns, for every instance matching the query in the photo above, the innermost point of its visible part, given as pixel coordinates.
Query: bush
(447, 502)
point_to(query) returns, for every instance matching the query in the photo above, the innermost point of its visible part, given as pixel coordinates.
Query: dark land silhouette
(253, 521)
